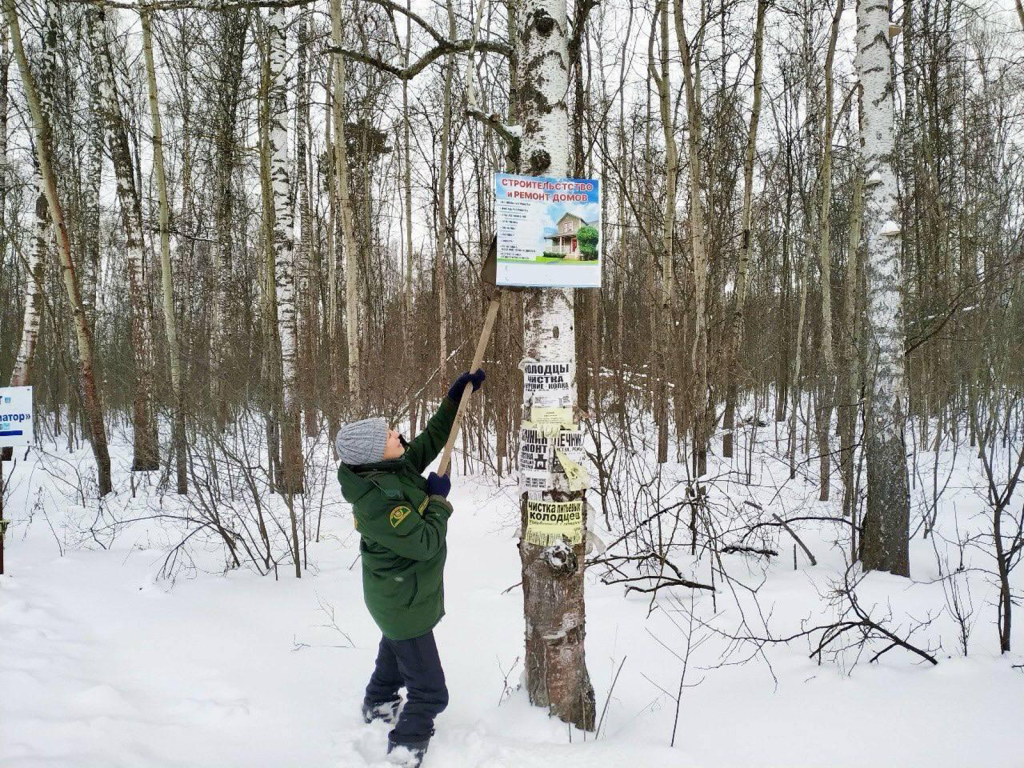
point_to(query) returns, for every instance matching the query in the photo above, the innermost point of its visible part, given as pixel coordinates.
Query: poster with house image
(549, 231)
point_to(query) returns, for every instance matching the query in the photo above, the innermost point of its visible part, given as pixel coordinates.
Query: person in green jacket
(402, 520)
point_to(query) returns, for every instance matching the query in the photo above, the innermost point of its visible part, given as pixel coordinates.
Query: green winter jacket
(402, 533)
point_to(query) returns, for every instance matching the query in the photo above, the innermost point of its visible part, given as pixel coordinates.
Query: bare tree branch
(443, 48)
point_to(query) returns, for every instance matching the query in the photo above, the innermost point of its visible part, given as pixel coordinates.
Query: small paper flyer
(569, 456)
(551, 421)
(535, 460)
(549, 521)
(544, 457)
(548, 383)
(549, 231)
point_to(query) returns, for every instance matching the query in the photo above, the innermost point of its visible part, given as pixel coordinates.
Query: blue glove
(438, 485)
(455, 393)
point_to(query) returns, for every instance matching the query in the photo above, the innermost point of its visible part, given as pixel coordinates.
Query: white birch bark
(146, 447)
(885, 543)
(556, 671)
(798, 357)
(746, 243)
(849, 383)
(347, 218)
(271, 372)
(83, 335)
(333, 254)
(92, 184)
(826, 384)
(407, 324)
(824, 249)
(441, 239)
(4, 105)
(166, 278)
(691, 80)
(664, 315)
(32, 317)
(306, 305)
(284, 254)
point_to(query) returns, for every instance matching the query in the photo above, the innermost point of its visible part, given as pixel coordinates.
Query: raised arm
(428, 443)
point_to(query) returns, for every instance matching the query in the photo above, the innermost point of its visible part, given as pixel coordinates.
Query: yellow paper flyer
(548, 521)
(575, 474)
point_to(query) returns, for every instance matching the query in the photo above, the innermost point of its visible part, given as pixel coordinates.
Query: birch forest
(229, 227)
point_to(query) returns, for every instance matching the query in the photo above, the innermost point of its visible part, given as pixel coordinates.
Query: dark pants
(415, 664)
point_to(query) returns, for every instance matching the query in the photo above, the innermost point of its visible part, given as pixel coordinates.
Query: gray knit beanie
(362, 442)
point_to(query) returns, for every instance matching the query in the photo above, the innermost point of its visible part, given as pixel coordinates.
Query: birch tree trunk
(441, 199)
(849, 398)
(284, 259)
(184, 246)
(408, 320)
(146, 451)
(665, 326)
(32, 316)
(826, 373)
(555, 662)
(347, 214)
(736, 324)
(166, 278)
(5, 51)
(885, 538)
(798, 343)
(272, 354)
(306, 305)
(40, 130)
(230, 45)
(333, 254)
(93, 182)
(702, 416)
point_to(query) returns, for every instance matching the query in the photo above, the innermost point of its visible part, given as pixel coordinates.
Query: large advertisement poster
(549, 231)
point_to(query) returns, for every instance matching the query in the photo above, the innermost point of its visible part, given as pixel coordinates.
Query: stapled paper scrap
(575, 474)
(551, 420)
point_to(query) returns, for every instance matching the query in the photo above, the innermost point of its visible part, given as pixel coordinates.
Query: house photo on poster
(549, 231)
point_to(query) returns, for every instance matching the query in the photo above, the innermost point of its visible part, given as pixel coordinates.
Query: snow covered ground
(103, 664)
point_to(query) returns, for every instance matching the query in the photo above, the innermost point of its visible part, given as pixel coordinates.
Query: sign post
(16, 429)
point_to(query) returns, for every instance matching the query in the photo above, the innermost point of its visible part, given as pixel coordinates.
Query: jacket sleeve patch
(398, 514)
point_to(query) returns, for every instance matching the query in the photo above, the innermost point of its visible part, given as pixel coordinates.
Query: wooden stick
(796, 538)
(478, 359)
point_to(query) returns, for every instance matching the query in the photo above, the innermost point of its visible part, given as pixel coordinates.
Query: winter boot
(385, 710)
(407, 754)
